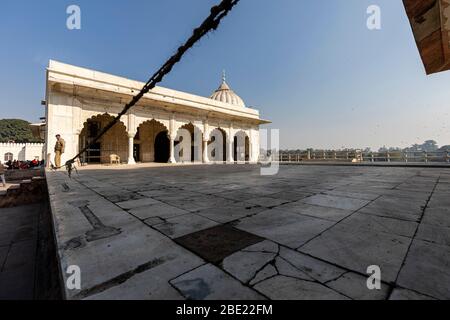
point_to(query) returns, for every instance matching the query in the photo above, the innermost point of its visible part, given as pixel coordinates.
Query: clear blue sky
(310, 66)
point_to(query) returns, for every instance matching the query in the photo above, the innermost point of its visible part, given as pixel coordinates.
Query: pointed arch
(190, 150)
(113, 142)
(217, 145)
(241, 146)
(150, 141)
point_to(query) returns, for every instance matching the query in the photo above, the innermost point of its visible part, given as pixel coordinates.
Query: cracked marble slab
(286, 228)
(336, 202)
(355, 249)
(210, 283)
(183, 225)
(286, 288)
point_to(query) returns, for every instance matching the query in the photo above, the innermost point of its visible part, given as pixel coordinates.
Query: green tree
(16, 130)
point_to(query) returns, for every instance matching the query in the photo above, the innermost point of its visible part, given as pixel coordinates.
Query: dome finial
(226, 95)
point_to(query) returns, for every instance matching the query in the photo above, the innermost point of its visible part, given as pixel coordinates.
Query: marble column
(230, 150)
(172, 150)
(230, 143)
(77, 148)
(131, 148)
(205, 140)
(205, 152)
(172, 136)
(250, 151)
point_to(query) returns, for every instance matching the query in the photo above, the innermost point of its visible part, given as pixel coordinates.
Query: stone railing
(371, 157)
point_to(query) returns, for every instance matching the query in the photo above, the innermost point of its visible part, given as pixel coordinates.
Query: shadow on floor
(28, 268)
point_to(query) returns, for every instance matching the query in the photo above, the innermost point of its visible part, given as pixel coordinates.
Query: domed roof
(225, 94)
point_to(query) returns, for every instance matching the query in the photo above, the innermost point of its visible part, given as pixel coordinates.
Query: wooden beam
(429, 20)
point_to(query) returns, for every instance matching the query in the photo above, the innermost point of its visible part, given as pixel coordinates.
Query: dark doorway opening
(221, 143)
(235, 149)
(241, 152)
(247, 149)
(162, 147)
(137, 152)
(93, 154)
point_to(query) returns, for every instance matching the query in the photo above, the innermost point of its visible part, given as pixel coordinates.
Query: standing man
(59, 150)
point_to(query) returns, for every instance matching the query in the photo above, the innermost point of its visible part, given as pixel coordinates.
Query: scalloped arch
(88, 115)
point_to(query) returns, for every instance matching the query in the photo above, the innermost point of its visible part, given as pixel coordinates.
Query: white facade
(21, 151)
(77, 95)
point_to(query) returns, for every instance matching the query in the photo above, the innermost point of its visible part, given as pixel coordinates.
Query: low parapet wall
(22, 151)
(13, 144)
(17, 175)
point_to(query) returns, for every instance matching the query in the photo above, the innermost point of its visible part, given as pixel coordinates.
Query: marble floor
(18, 245)
(228, 232)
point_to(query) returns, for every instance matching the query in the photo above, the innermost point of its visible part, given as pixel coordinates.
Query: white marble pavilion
(80, 102)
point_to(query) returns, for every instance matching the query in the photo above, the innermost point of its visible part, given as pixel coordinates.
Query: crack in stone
(413, 290)
(347, 270)
(65, 187)
(120, 278)
(332, 226)
(272, 262)
(338, 277)
(414, 236)
(298, 269)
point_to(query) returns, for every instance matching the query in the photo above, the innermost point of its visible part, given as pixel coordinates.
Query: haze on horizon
(312, 67)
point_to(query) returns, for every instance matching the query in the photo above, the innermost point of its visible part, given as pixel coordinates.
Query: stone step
(26, 192)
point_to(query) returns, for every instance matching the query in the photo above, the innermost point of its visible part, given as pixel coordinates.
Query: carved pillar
(205, 140)
(172, 150)
(205, 151)
(230, 149)
(131, 148)
(250, 149)
(230, 144)
(77, 147)
(172, 137)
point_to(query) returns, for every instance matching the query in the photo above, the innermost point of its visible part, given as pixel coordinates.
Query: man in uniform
(59, 150)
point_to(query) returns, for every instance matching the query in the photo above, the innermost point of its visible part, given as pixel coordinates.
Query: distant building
(21, 151)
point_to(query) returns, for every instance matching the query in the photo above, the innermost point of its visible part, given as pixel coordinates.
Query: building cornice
(77, 77)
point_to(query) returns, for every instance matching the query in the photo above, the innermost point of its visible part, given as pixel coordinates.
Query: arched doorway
(162, 147)
(113, 142)
(218, 145)
(188, 147)
(150, 141)
(241, 147)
